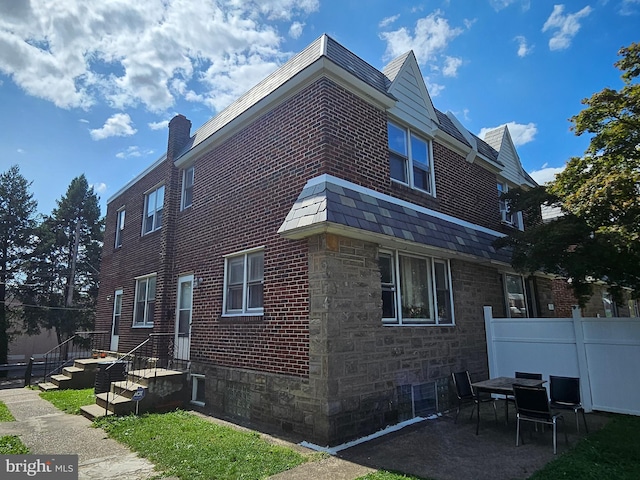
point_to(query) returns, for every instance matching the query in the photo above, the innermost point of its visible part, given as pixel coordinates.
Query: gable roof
(500, 140)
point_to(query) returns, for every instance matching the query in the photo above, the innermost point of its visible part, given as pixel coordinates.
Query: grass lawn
(70, 401)
(10, 444)
(610, 453)
(192, 448)
(5, 414)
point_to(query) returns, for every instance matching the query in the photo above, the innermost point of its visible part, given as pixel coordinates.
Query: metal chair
(532, 405)
(465, 393)
(565, 395)
(531, 376)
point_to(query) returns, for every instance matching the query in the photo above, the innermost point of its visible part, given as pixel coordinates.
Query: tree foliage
(597, 236)
(64, 268)
(17, 210)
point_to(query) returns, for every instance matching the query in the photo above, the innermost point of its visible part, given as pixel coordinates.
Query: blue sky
(88, 87)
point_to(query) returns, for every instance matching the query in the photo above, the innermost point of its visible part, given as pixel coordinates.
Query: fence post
(583, 366)
(488, 330)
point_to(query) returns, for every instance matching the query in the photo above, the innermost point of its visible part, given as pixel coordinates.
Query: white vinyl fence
(603, 352)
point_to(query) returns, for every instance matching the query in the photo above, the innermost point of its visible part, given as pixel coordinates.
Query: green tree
(597, 236)
(63, 276)
(17, 209)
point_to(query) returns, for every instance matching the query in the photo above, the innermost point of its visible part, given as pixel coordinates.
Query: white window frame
(196, 379)
(120, 218)
(246, 283)
(147, 322)
(609, 305)
(408, 158)
(513, 219)
(117, 312)
(154, 211)
(510, 302)
(188, 174)
(396, 287)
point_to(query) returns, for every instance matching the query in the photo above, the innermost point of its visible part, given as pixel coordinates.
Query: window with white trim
(153, 204)
(508, 217)
(117, 312)
(187, 188)
(143, 310)
(515, 296)
(243, 283)
(119, 227)
(415, 290)
(410, 158)
(609, 304)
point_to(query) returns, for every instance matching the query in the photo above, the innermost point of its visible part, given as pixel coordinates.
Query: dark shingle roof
(447, 126)
(335, 202)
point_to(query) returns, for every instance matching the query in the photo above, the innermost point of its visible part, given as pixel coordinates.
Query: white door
(115, 324)
(183, 317)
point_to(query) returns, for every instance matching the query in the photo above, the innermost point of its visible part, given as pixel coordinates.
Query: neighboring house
(321, 249)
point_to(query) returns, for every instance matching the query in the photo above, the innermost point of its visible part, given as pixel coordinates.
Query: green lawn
(611, 453)
(192, 448)
(5, 414)
(70, 401)
(10, 444)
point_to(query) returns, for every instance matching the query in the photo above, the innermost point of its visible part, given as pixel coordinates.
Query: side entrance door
(183, 317)
(115, 324)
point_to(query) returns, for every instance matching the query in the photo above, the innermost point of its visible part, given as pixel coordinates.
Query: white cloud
(159, 125)
(501, 4)
(523, 48)
(385, 22)
(434, 88)
(118, 125)
(451, 65)
(564, 27)
(545, 174)
(430, 37)
(133, 151)
(295, 30)
(520, 134)
(627, 7)
(20, 150)
(132, 53)
(99, 187)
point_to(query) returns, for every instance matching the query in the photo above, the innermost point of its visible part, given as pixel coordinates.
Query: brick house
(321, 249)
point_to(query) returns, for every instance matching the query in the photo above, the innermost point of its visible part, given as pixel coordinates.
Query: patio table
(502, 386)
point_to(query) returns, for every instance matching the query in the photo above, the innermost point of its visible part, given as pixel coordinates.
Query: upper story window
(243, 283)
(609, 304)
(515, 296)
(144, 307)
(119, 227)
(415, 290)
(187, 188)
(153, 203)
(513, 219)
(410, 158)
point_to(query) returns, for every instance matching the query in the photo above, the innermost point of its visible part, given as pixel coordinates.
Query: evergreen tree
(17, 209)
(64, 269)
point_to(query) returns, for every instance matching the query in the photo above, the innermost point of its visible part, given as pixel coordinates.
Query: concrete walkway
(45, 429)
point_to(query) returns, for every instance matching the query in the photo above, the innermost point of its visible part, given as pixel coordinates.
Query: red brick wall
(243, 189)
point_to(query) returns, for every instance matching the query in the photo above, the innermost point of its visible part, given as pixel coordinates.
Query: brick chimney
(179, 134)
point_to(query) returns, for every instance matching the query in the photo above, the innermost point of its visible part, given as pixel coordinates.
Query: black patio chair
(565, 395)
(532, 405)
(465, 394)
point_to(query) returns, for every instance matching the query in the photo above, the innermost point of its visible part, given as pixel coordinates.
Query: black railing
(80, 345)
(154, 354)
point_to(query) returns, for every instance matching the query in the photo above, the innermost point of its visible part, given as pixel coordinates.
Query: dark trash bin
(104, 377)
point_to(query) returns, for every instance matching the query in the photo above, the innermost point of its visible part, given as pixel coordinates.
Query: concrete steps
(81, 374)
